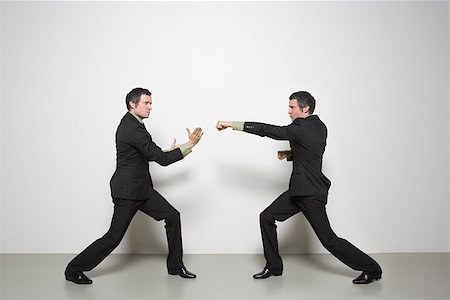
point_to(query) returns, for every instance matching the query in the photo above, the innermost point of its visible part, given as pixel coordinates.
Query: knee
(266, 217)
(173, 217)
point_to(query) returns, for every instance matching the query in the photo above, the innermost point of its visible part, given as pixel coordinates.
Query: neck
(136, 116)
(304, 116)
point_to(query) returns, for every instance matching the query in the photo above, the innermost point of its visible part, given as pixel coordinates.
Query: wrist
(236, 125)
(186, 149)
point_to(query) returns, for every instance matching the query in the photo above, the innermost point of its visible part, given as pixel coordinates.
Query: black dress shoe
(183, 272)
(265, 273)
(77, 277)
(366, 278)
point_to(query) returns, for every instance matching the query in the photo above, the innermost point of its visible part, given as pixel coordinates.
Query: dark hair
(135, 95)
(304, 99)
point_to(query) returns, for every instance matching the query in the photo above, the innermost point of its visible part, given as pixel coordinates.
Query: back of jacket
(134, 149)
(307, 138)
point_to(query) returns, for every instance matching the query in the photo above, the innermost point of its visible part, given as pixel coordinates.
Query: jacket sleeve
(142, 140)
(283, 133)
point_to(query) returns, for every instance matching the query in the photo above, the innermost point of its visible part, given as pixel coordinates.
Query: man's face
(295, 111)
(143, 108)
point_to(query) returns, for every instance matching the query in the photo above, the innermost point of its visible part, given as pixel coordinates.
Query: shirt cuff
(185, 149)
(238, 125)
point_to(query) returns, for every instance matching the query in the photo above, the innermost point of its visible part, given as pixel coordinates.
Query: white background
(379, 72)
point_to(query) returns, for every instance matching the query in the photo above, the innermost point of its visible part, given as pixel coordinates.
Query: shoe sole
(187, 277)
(267, 276)
(71, 280)
(374, 279)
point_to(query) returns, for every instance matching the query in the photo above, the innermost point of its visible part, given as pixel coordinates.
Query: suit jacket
(307, 138)
(134, 149)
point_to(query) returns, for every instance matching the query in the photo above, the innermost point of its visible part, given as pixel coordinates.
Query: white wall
(379, 72)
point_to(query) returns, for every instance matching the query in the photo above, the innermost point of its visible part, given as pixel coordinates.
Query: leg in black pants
(314, 210)
(159, 209)
(313, 207)
(280, 210)
(124, 210)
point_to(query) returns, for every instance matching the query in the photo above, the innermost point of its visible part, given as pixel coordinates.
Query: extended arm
(261, 129)
(275, 132)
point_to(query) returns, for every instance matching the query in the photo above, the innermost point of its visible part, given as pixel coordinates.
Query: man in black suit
(308, 189)
(132, 190)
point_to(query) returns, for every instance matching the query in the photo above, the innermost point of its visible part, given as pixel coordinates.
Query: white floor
(405, 276)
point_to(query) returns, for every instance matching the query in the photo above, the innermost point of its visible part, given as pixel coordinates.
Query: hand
(221, 125)
(284, 154)
(195, 136)
(174, 145)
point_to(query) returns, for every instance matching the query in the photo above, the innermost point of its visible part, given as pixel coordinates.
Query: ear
(304, 109)
(132, 105)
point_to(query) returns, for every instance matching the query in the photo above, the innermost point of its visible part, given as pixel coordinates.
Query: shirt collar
(137, 117)
(308, 117)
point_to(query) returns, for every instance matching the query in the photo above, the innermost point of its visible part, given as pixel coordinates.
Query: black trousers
(313, 207)
(124, 210)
